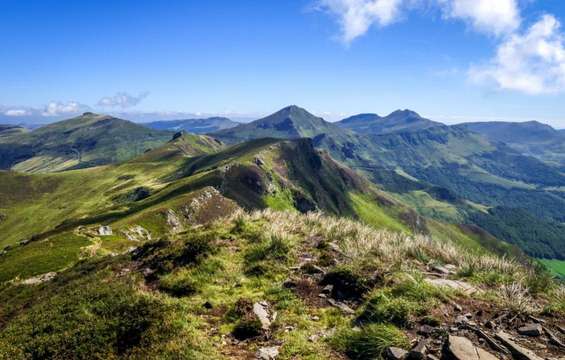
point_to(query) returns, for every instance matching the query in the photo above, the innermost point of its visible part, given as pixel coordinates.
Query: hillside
(397, 121)
(84, 141)
(195, 126)
(466, 172)
(211, 252)
(530, 138)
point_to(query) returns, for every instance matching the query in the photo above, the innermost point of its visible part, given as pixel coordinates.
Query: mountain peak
(404, 113)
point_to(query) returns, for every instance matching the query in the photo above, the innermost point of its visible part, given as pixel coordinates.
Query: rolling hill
(531, 138)
(397, 121)
(84, 141)
(195, 126)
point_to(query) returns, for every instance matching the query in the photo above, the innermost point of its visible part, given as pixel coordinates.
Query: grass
(40, 257)
(372, 214)
(555, 266)
(370, 342)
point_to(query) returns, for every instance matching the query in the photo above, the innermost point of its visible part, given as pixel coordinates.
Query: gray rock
(453, 284)
(104, 230)
(261, 311)
(518, 352)
(343, 307)
(419, 351)
(394, 353)
(461, 348)
(531, 330)
(267, 353)
(327, 289)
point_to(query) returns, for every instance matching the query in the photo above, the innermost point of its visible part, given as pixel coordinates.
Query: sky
(449, 60)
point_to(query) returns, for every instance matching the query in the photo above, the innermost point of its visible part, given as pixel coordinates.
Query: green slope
(84, 141)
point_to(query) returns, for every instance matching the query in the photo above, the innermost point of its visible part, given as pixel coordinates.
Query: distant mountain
(10, 130)
(397, 121)
(195, 126)
(291, 122)
(84, 141)
(458, 167)
(531, 138)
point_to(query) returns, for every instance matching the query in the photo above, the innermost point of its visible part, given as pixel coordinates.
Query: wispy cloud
(17, 112)
(530, 60)
(122, 100)
(58, 108)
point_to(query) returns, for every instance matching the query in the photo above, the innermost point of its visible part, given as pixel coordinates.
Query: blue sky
(447, 59)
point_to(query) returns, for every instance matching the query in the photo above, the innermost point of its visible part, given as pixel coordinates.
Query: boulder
(104, 230)
(461, 348)
(267, 353)
(261, 311)
(394, 353)
(531, 330)
(419, 351)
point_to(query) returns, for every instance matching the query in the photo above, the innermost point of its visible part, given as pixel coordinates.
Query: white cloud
(17, 112)
(357, 16)
(57, 108)
(495, 17)
(122, 100)
(532, 62)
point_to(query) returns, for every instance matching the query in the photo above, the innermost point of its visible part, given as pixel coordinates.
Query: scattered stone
(394, 353)
(553, 338)
(490, 341)
(426, 330)
(419, 351)
(137, 233)
(259, 162)
(40, 278)
(315, 318)
(432, 357)
(518, 352)
(24, 242)
(208, 305)
(267, 353)
(313, 338)
(461, 348)
(327, 289)
(461, 319)
(530, 330)
(105, 231)
(289, 284)
(310, 268)
(457, 307)
(453, 284)
(343, 307)
(536, 320)
(468, 315)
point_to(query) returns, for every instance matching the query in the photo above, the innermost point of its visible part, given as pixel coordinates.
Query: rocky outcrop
(461, 348)
(105, 230)
(518, 352)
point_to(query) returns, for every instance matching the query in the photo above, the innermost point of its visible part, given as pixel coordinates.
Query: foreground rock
(267, 353)
(394, 353)
(261, 310)
(461, 348)
(518, 352)
(531, 330)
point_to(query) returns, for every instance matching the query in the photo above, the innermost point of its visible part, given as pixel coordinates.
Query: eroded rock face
(173, 221)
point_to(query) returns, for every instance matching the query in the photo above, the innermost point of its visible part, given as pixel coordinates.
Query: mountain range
(288, 237)
(195, 126)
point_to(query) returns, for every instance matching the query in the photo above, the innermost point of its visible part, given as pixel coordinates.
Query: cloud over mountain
(122, 100)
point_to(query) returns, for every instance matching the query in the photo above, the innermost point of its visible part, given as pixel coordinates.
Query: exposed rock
(419, 351)
(24, 242)
(440, 269)
(173, 221)
(461, 348)
(343, 307)
(105, 231)
(137, 233)
(518, 352)
(394, 353)
(426, 330)
(327, 289)
(453, 284)
(261, 310)
(40, 278)
(267, 353)
(530, 330)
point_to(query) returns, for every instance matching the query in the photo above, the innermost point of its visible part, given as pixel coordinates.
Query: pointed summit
(290, 122)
